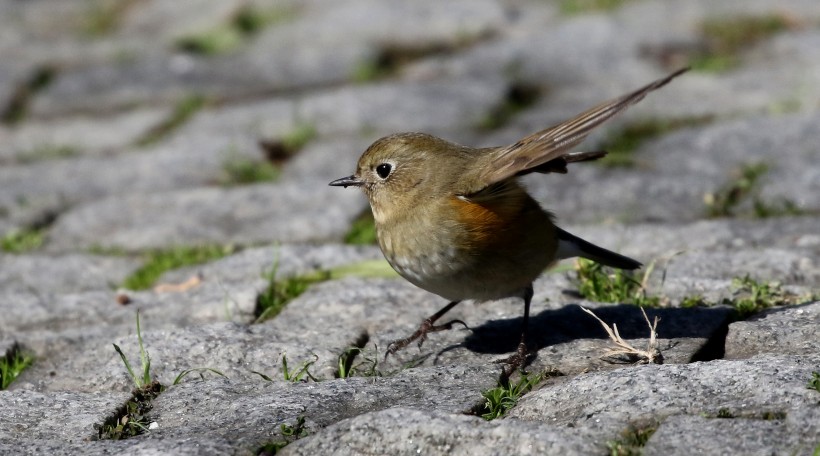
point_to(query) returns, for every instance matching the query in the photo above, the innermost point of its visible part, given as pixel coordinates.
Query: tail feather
(571, 246)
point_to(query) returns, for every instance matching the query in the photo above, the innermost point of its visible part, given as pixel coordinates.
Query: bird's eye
(383, 170)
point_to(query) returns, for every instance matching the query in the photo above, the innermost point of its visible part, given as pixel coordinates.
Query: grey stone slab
(796, 266)
(76, 136)
(69, 273)
(406, 431)
(791, 330)
(607, 403)
(682, 167)
(249, 413)
(405, 106)
(326, 159)
(56, 312)
(656, 240)
(565, 338)
(290, 260)
(199, 445)
(377, 109)
(293, 212)
(334, 40)
(42, 188)
(151, 77)
(33, 415)
(730, 436)
(622, 44)
(165, 21)
(91, 364)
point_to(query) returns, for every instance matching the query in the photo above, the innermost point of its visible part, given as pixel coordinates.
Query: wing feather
(553, 145)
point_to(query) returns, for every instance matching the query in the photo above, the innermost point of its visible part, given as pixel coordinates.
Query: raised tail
(572, 246)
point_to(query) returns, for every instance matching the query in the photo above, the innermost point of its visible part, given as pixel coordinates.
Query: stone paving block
(748, 388)
(728, 436)
(77, 136)
(791, 330)
(406, 431)
(249, 413)
(201, 445)
(66, 416)
(70, 273)
(232, 349)
(567, 339)
(244, 215)
(289, 261)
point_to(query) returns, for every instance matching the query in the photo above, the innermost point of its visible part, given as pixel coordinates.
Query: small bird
(454, 220)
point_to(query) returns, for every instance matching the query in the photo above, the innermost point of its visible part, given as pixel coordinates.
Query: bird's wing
(549, 150)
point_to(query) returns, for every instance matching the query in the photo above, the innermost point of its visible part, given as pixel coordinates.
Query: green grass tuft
(12, 365)
(299, 136)
(145, 360)
(299, 374)
(280, 292)
(46, 152)
(105, 16)
(132, 420)
(622, 144)
(245, 23)
(519, 97)
(17, 103)
(363, 230)
(740, 196)
(21, 241)
(814, 382)
(242, 171)
(289, 433)
(751, 296)
(216, 41)
(280, 150)
(183, 111)
(499, 400)
(602, 284)
(725, 38)
(158, 262)
(631, 442)
(589, 6)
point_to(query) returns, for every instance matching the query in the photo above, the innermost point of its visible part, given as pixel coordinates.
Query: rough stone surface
(742, 388)
(33, 415)
(733, 435)
(251, 413)
(115, 139)
(62, 273)
(793, 330)
(405, 431)
(244, 215)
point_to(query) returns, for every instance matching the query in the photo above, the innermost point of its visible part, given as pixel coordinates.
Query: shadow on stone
(552, 327)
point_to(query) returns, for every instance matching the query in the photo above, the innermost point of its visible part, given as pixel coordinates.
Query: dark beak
(351, 181)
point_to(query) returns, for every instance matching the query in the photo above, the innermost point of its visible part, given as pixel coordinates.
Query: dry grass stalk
(625, 352)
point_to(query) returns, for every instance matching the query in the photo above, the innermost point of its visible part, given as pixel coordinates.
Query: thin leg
(426, 327)
(521, 356)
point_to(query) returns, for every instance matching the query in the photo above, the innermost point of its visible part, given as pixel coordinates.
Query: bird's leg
(425, 327)
(522, 355)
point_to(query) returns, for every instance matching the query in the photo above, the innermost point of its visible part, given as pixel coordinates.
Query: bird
(455, 221)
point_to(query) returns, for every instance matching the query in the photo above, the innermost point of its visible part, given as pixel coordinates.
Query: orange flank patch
(488, 223)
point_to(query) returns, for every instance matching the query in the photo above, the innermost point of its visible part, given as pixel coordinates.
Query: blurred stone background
(189, 144)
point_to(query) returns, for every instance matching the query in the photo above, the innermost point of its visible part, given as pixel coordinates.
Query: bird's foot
(426, 327)
(520, 359)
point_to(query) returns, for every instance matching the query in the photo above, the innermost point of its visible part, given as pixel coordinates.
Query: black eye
(383, 170)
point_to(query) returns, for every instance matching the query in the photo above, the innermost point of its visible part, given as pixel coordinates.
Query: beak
(351, 181)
